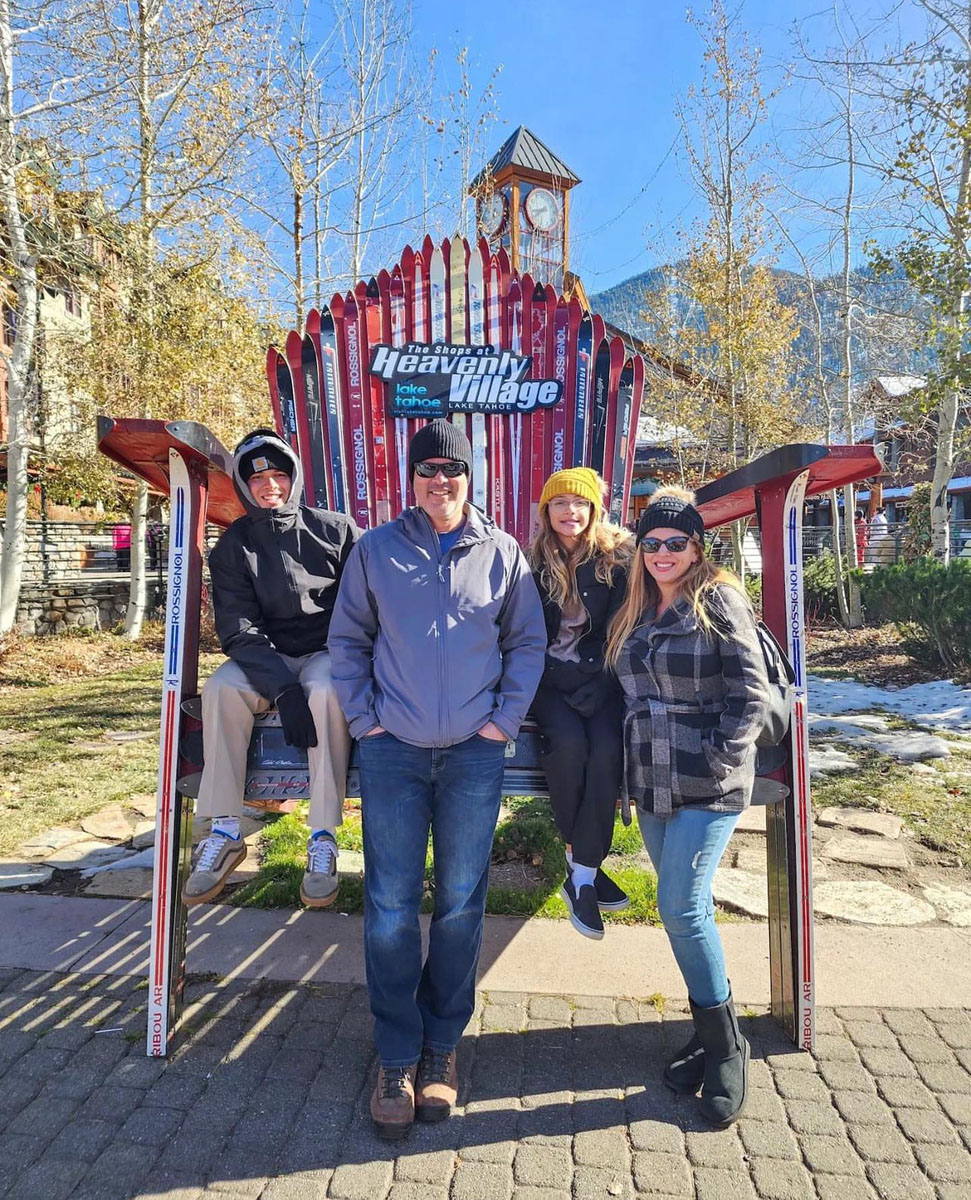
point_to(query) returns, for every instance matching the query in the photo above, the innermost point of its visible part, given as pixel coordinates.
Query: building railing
(883, 545)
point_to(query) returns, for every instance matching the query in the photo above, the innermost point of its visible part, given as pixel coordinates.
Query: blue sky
(597, 83)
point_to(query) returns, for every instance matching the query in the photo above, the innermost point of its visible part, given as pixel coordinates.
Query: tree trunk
(19, 360)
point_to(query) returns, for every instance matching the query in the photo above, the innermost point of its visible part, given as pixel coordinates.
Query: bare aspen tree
(745, 328)
(375, 62)
(175, 131)
(927, 84)
(43, 92)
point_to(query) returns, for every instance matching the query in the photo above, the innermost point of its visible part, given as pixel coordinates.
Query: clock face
(493, 213)
(542, 209)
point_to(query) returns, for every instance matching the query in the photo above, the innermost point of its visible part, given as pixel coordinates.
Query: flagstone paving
(266, 1097)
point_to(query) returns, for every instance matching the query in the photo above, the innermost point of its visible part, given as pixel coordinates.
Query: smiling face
(666, 567)
(569, 516)
(443, 499)
(270, 489)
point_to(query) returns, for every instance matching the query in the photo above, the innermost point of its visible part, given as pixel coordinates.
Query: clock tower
(522, 203)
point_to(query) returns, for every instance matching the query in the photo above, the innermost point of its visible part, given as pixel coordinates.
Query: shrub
(929, 604)
(819, 587)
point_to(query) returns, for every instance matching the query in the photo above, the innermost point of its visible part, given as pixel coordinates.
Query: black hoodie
(274, 574)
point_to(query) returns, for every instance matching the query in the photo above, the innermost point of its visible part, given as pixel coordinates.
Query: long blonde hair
(610, 545)
(695, 586)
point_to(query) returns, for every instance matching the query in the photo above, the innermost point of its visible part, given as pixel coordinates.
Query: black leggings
(583, 760)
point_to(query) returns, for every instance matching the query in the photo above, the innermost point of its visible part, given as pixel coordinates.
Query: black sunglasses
(677, 545)
(428, 470)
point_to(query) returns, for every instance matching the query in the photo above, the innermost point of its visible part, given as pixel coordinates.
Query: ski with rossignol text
(516, 479)
(584, 375)
(617, 356)
(294, 351)
(399, 336)
(625, 399)
(599, 393)
(333, 409)
(477, 337)
(496, 427)
(540, 420)
(377, 328)
(561, 358)
(315, 420)
(357, 434)
(456, 252)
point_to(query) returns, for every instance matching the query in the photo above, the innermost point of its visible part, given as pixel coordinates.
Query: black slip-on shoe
(610, 897)
(584, 911)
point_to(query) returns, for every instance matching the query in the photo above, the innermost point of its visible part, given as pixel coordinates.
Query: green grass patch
(525, 844)
(938, 814)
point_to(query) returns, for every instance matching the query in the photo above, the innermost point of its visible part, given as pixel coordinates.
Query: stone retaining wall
(95, 604)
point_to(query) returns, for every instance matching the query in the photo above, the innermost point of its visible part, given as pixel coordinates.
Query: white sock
(569, 858)
(226, 825)
(583, 875)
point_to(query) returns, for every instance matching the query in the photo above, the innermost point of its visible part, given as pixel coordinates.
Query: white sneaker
(320, 882)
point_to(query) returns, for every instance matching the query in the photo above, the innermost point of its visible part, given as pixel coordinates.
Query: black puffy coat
(600, 601)
(275, 574)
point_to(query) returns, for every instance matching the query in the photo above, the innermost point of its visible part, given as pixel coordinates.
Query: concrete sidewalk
(855, 965)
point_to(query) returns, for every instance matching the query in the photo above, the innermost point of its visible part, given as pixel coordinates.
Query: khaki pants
(229, 704)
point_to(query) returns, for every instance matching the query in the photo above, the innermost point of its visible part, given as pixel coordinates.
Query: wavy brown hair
(695, 586)
(610, 545)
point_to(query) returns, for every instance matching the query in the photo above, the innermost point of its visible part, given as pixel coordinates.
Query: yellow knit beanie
(575, 481)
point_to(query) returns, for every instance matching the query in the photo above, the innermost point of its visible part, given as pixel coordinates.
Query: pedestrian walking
(437, 645)
(686, 652)
(274, 574)
(580, 568)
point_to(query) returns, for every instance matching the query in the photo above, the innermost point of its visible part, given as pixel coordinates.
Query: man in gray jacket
(437, 645)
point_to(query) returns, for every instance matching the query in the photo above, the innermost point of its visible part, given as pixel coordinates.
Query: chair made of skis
(277, 774)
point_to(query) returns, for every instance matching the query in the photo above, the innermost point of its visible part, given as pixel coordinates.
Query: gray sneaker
(217, 858)
(320, 882)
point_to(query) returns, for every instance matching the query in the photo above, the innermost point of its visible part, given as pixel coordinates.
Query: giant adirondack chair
(437, 308)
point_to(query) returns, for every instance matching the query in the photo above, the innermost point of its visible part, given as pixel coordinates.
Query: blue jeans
(405, 790)
(686, 849)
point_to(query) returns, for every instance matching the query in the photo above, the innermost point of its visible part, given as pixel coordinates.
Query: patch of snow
(938, 706)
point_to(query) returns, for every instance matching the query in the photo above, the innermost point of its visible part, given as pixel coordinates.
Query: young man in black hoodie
(275, 573)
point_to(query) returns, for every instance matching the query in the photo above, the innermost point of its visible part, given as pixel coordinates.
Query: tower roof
(524, 149)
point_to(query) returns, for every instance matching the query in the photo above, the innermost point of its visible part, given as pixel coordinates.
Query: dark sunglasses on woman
(428, 470)
(677, 545)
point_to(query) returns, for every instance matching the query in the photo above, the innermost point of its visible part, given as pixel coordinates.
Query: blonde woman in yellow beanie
(580, 566)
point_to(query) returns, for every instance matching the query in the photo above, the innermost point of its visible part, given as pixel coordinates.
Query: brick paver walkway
(267, 1097)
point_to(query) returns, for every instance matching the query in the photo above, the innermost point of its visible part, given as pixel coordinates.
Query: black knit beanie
(671, 512)
(264, 458)
(440, 439)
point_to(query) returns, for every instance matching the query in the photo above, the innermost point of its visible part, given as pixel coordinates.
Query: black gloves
(296, 718)
(587, 698)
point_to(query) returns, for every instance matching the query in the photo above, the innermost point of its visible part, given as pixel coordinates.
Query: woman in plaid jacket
(685, 650)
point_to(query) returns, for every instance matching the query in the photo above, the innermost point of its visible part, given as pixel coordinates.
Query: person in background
(275, 573)
(121, 544)
(685, 649)
(580, 568)
(437, 643)
(861, 532)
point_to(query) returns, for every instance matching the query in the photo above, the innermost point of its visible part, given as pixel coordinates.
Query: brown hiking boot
(218, 857)
(437, 1084)
(393, 1102)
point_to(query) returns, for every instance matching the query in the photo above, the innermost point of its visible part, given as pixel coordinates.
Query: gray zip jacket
(433, 647)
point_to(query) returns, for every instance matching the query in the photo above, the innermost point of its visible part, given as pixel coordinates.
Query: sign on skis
(436, 379)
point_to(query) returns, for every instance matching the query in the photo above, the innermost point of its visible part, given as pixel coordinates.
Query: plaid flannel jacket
(695, 703)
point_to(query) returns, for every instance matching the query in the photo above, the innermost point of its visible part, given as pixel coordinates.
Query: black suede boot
(725, 1085)
(684, 1073)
